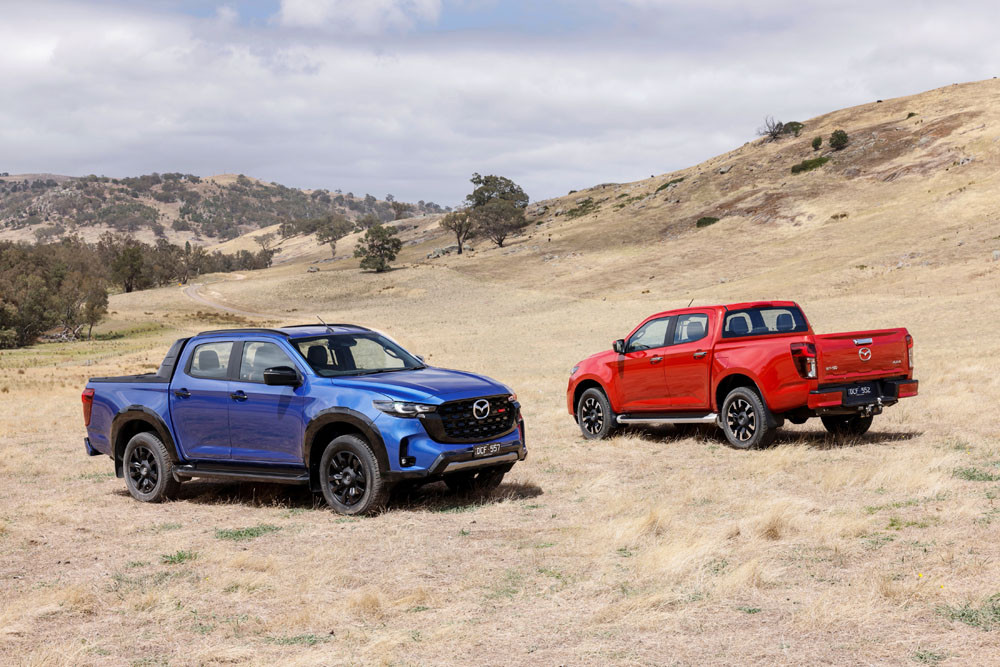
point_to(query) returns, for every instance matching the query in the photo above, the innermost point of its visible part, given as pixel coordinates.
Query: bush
(793, 128)
(583, 208)
(809, 165)
(838, 140)
(817, 142)
(911, 115)
(706, 221)
(665, 185)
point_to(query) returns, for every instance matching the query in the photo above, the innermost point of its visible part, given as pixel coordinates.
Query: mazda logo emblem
(865, 353)
(481, 409)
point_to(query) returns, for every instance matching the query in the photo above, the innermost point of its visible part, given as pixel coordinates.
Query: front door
(199, 402)
(266, 422)
(640, 370)
(688, 363)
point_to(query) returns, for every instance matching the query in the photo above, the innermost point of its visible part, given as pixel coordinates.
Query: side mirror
(282, 376)
(619, 346)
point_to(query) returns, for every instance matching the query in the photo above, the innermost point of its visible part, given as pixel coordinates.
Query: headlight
(512, 398)
(403, 409)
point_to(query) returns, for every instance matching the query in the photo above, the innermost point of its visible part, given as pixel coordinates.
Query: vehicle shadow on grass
(816, 439)
(434, 497)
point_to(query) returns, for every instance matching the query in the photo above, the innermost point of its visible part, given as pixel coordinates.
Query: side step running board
(243, 473)
(674, 418)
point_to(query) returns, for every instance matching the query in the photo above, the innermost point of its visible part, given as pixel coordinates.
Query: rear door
(861, 355)
(641, 380)
(199, 400)
(266, 422)
(687, 362)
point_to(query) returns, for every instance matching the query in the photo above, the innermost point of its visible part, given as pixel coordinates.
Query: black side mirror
(619, 346)
(283, 376)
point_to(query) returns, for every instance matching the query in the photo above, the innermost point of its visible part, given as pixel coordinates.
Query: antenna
(690, 302)
(328, 327)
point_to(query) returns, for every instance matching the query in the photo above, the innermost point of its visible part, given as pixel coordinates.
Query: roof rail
(241, 331)
(316, 324)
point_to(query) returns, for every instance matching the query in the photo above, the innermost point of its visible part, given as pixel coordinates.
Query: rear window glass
(763, 321)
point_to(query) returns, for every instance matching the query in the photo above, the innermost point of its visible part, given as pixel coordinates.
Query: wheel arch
(732, 381)
(136, 419)
(335, 422)
(584, 385)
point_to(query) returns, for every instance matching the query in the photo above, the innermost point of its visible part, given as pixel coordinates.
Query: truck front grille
(457, 421)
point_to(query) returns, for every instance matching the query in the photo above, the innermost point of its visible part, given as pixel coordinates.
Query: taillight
(909, 351)
(88, 404)
(804, 356)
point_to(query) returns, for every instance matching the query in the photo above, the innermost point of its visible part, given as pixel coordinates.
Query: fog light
(408, 461)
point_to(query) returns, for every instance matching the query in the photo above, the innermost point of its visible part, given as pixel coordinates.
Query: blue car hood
(426, 385)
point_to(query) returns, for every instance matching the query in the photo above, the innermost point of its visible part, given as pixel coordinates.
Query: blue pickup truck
(338, 407)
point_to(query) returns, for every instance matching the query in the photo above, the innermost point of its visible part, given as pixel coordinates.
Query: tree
(498, 219)
(367, 221)
(399, 209)
(493, 187)
(838, 140)
(378, 247)
(817, 142)
(265, 241)
(334, 228)
(95, 307)
(461, 224)
(772, 128)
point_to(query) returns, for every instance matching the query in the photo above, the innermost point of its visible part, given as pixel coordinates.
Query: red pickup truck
(746, 367)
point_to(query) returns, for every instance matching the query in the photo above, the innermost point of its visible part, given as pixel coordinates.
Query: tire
(350, 478)
(476, 481)
(746, 421)
(853, 426)
(148, 469)
(594, 415)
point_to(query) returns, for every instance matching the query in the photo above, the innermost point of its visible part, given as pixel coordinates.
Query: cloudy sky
(412, 96)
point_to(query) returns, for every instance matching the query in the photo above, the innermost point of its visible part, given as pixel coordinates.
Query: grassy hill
(650, 548)
(179, 207)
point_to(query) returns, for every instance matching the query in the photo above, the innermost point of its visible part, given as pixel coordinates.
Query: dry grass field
(645, 549)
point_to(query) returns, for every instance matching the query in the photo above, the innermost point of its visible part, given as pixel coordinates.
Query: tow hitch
(872, 408)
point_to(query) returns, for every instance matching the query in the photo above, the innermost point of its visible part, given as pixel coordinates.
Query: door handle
(655, 360)
(699, 354)
(182, 393)
(239, 396)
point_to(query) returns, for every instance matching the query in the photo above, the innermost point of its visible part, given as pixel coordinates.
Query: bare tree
(772, 128)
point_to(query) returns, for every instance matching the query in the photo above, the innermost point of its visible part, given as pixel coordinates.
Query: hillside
(649, 548)
(179, 207)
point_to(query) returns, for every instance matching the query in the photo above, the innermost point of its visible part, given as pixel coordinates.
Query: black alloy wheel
(350, 477)
(348, 481)
(594, 414)
(148, 469)
(143, 469)
(746, 421)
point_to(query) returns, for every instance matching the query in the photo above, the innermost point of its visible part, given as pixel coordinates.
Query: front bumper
(434, 459)
(834, 399)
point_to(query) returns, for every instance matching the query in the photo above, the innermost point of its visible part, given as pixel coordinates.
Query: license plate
(861, 394)
(486, 450)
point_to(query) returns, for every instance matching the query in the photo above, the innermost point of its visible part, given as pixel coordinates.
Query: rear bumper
(833, 399)
(90, 448)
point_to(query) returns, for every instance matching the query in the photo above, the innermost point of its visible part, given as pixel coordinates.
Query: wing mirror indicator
(619, 346)
(282, 376)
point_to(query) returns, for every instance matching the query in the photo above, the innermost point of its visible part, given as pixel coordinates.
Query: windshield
(354, 354)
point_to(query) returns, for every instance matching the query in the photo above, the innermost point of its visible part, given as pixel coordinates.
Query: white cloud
(360, 16)
(115, 90)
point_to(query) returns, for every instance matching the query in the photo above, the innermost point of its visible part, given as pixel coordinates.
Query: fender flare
(139, 413)
(352, 418)
(729, 372)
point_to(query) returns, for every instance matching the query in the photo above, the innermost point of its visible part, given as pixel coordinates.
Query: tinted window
(355, 354)
(651, 334)
(259, 356)
(763, 321)
(211, 361)
(690, 328)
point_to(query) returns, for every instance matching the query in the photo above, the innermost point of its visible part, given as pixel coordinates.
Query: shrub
(706, 221)
(838, 139)
(911, 115)
(583, 208)
(817, 142)
(809, 165)
(792, 127)
(665, 185)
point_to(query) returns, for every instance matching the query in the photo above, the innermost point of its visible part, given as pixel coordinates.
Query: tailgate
(861, 355)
